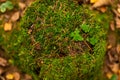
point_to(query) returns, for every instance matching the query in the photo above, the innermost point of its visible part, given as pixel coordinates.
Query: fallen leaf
(2, 78)
(22, 5)
(8, 26)
(112, 26)
(118, 9)
(118, 48)
(116, 12)
(2, 0)
(119, 71)
(15, 16)
(3, 62)
(93, 1)
(28, 77)
(16, 76)
(109, 46)
(103, 9)
(112, 38)
(109, 75)
(118, 76)
(115, 68)
(117, 22)
(100, 3)
(9, 76)
(1, 70)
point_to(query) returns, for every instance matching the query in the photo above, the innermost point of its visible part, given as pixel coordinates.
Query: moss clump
(60, 40)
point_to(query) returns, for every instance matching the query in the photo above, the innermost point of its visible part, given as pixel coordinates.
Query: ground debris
(15, 16)
(9, 19)
(8, 26)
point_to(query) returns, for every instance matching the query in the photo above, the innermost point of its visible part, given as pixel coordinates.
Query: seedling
(7, 5)
(86, 28)
(76, 35)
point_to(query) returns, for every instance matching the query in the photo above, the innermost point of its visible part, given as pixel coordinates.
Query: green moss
(49, 52)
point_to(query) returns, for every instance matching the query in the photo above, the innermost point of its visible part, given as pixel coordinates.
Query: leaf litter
(9, 20)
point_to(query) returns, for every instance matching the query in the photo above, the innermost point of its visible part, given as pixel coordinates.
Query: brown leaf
(116, 12)
(118, 48)
(109, 46)
(8, 26)
(111, 59)
(3, 62)
(103, 9)
(117, 22)
(28, 77)
(118, 9)
(2, 78)
(2, 0)
(109, 75)
(112, 26)
(22, 5)
(1, 70)
(112, 38)
(115, 68)
(15, 16)
(16, 76)
(100, 3)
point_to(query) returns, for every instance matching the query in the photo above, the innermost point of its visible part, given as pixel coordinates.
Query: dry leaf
(109, 46)
(119, 72)
(115, 68)
(109, 75)
(103, 9)
(118, 48)
(8, 26)
(22, 5)
(100, 3)
(9, 76)
(112, 26)
(118, 9)
(1, 70)
(111, 59)
(93, 1)
(117, 22)
(2, 78)
(116, 12)
(3, 62)
(16, 76)
(2, 0)
(28, 77)
(15, 16)
(112, 38)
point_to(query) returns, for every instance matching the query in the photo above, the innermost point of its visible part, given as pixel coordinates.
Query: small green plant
(76, 35)
(7, 5)
(86, 28)
(93, 40)
(114, 77)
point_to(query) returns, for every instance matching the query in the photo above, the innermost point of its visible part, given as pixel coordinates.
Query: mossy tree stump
(60, 40)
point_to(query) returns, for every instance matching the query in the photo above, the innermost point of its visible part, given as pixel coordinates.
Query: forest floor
(10, 18)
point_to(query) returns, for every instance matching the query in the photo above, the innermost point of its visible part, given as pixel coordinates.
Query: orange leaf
(103, 9)
(8, 26)
(15, 16)
(93, 1)
(109, 75)
(9, 76)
